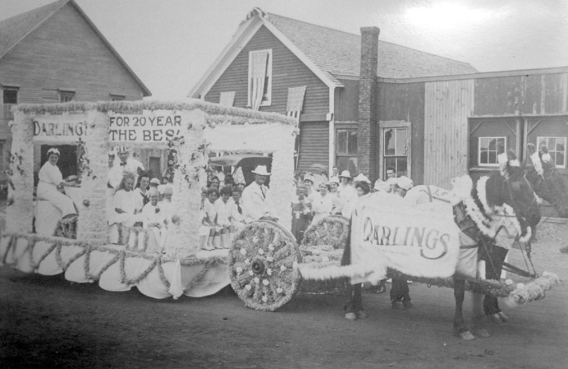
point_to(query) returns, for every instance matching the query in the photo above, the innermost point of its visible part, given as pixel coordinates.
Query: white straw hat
(404, 182)
(362, 178)
(261, 170)
(345, 174)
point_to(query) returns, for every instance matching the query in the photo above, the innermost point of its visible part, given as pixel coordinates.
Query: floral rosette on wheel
(263, 265)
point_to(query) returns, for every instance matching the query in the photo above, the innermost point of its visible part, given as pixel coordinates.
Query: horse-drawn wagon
(264, 265)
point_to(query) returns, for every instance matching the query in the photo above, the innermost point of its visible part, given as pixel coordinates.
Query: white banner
(148, 127)
(417, 240)
(60, 128)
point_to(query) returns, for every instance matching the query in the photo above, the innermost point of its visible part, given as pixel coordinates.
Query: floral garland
(120, 256)
(83, 158)
(263, 266)
(332, 230)
(15, 160)
(139, 106)
(532, 291)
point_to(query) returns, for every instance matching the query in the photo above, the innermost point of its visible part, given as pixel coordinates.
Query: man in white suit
(256, 198)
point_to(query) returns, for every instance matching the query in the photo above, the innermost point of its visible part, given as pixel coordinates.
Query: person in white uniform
(128, 164)
(154, 218)
(347, 193)
(50, 179)
(322, 204)
(257, 203)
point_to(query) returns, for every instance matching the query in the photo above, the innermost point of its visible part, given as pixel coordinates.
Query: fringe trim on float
(332, 270)
(156, 261)
(532, 291)
(239, 116)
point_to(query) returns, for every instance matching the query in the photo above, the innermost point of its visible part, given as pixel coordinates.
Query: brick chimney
(367, 143)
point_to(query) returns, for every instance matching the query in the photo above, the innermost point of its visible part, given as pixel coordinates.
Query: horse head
(511, 187)
(545, 179)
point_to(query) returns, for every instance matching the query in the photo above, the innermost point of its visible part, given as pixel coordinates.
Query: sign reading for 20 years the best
(144, 128)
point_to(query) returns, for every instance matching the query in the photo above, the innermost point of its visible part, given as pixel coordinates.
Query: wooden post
(92, 225)
(20, 213)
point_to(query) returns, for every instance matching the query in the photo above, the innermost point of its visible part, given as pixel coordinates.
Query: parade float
(264, 264)
(192, 129)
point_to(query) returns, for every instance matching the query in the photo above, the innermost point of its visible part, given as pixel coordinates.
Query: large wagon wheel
(331, 231)
(261, 265)
(67, 227)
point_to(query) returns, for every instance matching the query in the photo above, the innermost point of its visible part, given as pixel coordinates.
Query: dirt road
(50, 322)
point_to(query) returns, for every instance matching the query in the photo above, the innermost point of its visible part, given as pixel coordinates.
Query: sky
(170, 44)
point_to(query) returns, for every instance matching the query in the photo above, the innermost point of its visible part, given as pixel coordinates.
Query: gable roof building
(56, 54)
(15, 29)
(330, 53)
(313, 73)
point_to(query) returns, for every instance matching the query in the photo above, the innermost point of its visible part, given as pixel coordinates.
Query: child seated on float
(237, 219)
(154, 220)
(223, 206)
(166, 202)
(208, 229)
(127, 205)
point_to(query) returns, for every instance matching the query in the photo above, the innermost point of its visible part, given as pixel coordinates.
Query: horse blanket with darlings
(417, 240)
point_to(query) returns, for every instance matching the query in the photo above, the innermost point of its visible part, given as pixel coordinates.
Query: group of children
(221, 213)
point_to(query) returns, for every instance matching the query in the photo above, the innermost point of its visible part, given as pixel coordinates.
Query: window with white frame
(9, 99)
(260, 78)
(346, 149)
(489, 148)
(556, 147)
(395, 150)
(66, 96)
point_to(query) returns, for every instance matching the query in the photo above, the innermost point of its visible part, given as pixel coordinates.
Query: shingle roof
(15, 29)
(337, 52)
(12, 30)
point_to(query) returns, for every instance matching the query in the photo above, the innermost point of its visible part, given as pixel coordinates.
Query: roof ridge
(312, 24)
(39, 13)
(357, 35)
(426, 52)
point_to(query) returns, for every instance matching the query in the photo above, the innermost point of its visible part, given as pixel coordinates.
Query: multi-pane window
(114, 97)
(346, 149)
(9, 99)
(66, 96)
(556, 147)
(260, 78)
(395, 150)
(490, 148)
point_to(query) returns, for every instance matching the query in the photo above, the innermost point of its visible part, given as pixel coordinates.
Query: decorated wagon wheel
(261, 265)
(332, 231)
(67, 227)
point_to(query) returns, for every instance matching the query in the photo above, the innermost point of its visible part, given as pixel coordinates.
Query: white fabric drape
(258, 78)
(227, 98)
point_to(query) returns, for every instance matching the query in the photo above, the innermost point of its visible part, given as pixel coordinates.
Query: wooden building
(312, 72)
(56, 54)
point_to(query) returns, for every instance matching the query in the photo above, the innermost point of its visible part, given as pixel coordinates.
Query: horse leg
(358, 302)
(491, 303)
(460, 328)
(478, 315)
(349, 307)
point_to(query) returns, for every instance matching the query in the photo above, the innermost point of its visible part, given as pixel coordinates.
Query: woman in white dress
(322, 203)
(127, 203)
(50, 179)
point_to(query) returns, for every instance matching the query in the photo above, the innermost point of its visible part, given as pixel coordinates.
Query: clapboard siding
(529, 94)
(313, 144)
(287, 71)
(405, 102)
(347, 101)
(447, 108)
(65, 52)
